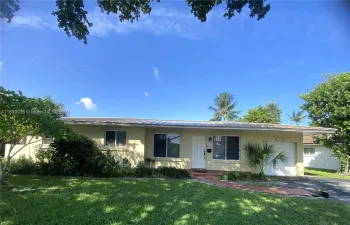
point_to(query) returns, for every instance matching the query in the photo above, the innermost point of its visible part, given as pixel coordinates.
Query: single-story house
(210, 145)
(319, 156)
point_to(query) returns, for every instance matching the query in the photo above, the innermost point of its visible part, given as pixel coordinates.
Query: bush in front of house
(234, 175)
(71, 155)
(172, 172)
(23, 165)
(240, 176)
(160, 172)
(78, 155)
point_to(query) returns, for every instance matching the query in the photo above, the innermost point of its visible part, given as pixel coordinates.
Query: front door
(198, 152)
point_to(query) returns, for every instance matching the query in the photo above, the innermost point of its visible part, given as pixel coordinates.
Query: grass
(55, 200)
(325, 173)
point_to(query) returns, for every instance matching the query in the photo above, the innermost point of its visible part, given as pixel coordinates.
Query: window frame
(115, 139)
(166, 146)
(308, 154)
(239, 148)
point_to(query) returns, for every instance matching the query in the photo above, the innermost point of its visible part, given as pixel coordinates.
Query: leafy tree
(72, 17)
(261, 155)
(271, 113)
(328, 105)
(21, 117)
(224, 107)
(296, 117)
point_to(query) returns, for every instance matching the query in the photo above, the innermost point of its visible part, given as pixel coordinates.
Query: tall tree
(21, 117)
(72, 17)
(296, 117)
(271, 113)
(328, 105)
(224, 107)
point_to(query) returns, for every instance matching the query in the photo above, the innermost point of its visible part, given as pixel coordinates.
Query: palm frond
(279, 158)
(224, 105)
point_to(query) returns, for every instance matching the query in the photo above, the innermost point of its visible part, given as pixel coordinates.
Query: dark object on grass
(324, 194)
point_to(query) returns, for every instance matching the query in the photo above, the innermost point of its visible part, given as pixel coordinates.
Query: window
(309, 151)
(226, 147)
(47, 140)
(115, 138)
(167, 145)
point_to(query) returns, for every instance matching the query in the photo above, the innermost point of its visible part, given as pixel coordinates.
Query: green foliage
(223, 109)
(23, 165)
(72, 17)
(271, 113)
(72, 154)
(77, 155)
(171, 172)
(258, 177)
(161, 172)
(21, 117)
(296, 117)
(234, 175)
(261, 155)
(328, 106)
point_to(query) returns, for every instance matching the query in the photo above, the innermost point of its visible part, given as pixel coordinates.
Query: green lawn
(54, 200)
(325, 173)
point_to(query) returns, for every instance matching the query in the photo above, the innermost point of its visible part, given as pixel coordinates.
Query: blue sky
(169, 65)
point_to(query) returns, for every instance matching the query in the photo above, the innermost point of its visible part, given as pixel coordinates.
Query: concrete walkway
(212, 179)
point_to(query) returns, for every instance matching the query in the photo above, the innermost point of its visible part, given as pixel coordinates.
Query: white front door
(198, 152)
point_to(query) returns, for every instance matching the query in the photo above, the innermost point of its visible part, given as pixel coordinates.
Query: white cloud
(1, 65)
(88, 104)
(146, 94)
(156, 73)
(33, 22)
(161, 21)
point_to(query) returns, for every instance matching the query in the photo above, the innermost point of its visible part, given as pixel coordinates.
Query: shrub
(70, 155)
(258, 176)
(234, 175)
(172, 172)
(23, 165)
(103, 164)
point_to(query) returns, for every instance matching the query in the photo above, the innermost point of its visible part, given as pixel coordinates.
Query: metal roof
(230, 125)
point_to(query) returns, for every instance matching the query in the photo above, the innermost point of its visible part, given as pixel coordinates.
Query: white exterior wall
(322, 159)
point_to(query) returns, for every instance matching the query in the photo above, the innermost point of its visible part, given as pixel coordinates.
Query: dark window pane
(219, 147)
(173, 145)
(121, 138)
(160, 145)
(110, 138)
(232, 147)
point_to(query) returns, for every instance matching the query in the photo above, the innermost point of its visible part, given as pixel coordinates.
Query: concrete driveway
(337, 188)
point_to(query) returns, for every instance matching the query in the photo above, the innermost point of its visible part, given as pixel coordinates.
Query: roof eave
(313, 131)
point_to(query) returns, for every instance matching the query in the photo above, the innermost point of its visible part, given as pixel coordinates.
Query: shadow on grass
(49, 200)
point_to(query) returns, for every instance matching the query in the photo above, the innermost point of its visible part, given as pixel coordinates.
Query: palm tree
(224, 107)
(296, 117)
(260, 155)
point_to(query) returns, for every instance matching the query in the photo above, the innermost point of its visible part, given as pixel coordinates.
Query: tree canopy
(271, 113)
(72, 17)
(328, 105)
(21, 117)
(224, 107)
